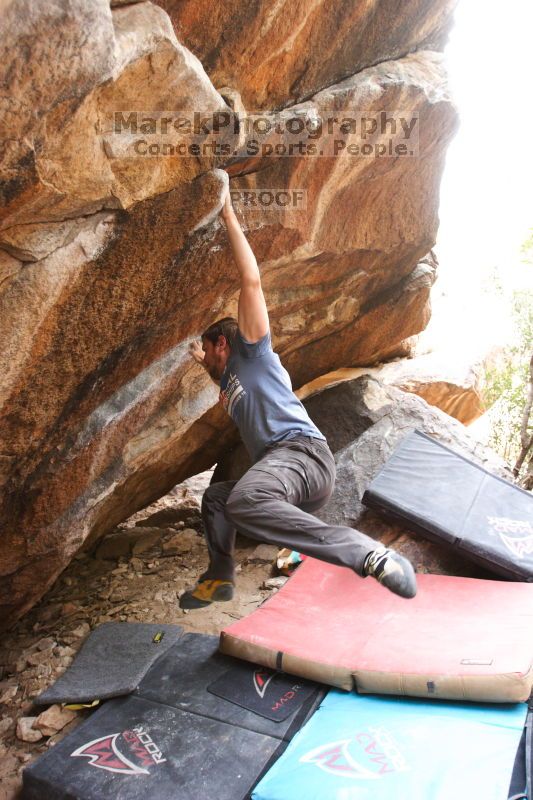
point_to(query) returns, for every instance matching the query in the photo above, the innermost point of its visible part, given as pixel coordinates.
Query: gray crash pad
(111, 662)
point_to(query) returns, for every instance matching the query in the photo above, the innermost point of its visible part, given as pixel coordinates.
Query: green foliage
(527, 249)
(506, 390)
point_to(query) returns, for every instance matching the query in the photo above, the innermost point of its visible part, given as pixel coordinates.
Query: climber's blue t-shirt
(256, 391)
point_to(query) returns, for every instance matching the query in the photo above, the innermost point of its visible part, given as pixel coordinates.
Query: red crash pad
(459, 638)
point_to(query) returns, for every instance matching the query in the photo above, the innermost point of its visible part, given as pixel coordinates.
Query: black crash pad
(451, 500)
(135, 749)
(185, 676)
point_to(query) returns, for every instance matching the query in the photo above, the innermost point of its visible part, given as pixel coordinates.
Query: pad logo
(286, 698)
(376, 747)
(262, 678)
(336, 759)
(519, 546)
(104, 752)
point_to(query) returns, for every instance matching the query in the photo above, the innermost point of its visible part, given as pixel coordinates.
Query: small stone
(5, 725)
(53, 719)
(26, 731)
(64, 651)
(21, 664)
(40, 657)
(81, 630)
(47, 643)
(69, 608)
(9, 693)
(275, 583)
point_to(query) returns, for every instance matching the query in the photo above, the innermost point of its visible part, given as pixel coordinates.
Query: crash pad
(521, 781)
(459, 638)
(378, 748)
(449, 499)
(111, 661)
(137, 749)
(186, 675)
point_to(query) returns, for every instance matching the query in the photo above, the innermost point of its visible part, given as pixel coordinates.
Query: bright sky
(486, 207)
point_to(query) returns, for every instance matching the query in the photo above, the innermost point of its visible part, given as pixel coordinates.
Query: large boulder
(111, 263)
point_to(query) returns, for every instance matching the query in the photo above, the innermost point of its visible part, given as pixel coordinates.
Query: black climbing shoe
(392, 570)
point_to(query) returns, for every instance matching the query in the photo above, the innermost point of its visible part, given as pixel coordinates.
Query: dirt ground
(135, 574)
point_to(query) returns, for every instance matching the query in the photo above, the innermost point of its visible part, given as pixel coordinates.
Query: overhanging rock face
(280, 53)
(110, 263)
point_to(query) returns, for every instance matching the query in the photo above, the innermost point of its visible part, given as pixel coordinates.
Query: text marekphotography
(288, 133)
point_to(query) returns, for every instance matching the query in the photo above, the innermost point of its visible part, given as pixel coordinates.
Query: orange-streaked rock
(280, 53)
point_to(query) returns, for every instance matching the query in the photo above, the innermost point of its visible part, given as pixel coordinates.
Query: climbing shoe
(392, 570)
(206, 592)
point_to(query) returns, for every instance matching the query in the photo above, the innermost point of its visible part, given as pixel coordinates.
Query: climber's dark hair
(227, 326)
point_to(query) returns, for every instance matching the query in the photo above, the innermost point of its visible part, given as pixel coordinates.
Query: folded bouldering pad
(377, 748)
(111, 662)
(195, 677)
(137, 749)
(459, 638)
(451, 500)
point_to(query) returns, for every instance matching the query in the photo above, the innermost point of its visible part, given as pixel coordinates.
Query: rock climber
(293, 470)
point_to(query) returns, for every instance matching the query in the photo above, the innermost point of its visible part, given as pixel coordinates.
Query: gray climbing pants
(273, 502)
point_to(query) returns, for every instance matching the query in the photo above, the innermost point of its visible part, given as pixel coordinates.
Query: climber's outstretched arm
(252, 311)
